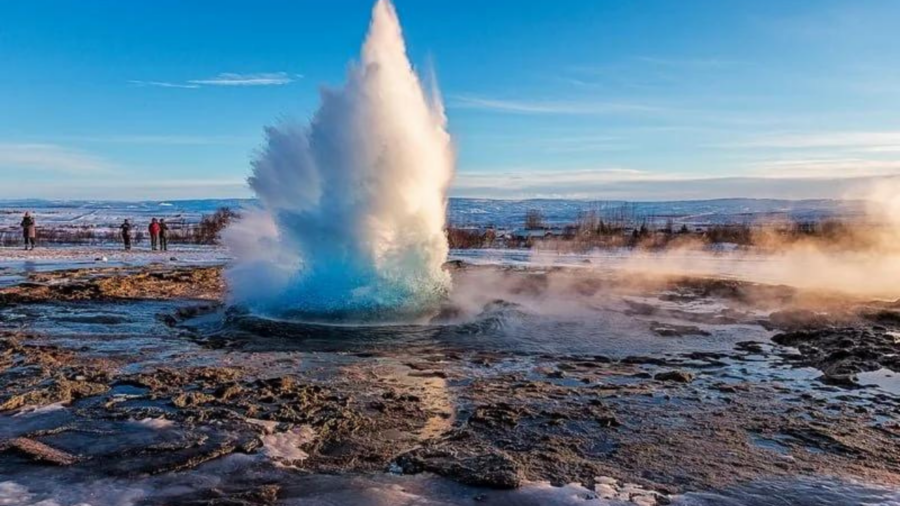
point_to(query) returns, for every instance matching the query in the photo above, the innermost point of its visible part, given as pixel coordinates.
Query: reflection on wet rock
(552, 386)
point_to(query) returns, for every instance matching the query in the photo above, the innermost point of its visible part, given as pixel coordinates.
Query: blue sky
(645, 100)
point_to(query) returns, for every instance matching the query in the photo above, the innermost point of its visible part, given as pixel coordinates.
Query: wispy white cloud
(582, 144)
(835, 168)
(553, 143)
(865, 141)
(638, 185)
(228, 79)
(232, 79)
(51, 157)
(163, 140)
(652, 74)
(571, 183)
(585, 107)
(135, 189)
(164, 84)
(882, 149)
(685, 114)
(691, 63)
(519, 177)
(836, 154)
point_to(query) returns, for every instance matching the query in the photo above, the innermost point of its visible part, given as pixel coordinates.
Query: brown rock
(191, 399)
(676, 376)
(38, 451)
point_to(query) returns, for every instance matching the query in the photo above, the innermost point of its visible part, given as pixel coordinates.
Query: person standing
(154, 234)
(29, 230)
(163, 235)
(126, 234)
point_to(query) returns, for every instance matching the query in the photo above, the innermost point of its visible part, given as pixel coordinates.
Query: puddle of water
(243, 471)
(814, 491)
(10, 279)
(604, 332)
(884, 379)
(134, 331)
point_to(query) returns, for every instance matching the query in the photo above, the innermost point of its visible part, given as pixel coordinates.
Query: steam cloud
(864, 263)
(353, 204)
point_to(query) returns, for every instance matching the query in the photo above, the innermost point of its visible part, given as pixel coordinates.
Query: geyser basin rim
(398, 324)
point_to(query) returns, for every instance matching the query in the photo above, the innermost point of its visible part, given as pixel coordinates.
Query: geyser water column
(353, 204)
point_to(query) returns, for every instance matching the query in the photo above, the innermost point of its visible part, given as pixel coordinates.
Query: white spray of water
(354, 202)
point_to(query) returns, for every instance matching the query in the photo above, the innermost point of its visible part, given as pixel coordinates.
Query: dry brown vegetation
(590, 231)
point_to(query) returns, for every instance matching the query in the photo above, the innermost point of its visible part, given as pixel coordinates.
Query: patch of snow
(283, 448)
(36, 410)
(53, 258)
(155, 423)
(612, 489)
(12, 494)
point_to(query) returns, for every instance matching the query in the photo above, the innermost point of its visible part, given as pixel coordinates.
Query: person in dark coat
(126, 234)
(29, 230)
(163, 235)
(154, 234)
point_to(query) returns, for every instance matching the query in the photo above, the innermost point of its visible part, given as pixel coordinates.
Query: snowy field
(67, 257)
(113, 254)
(461, 212)
(16, 263)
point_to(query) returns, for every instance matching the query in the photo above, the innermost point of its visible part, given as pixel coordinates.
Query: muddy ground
(85, 394)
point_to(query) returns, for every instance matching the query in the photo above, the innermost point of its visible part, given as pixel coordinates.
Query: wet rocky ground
(573, 385)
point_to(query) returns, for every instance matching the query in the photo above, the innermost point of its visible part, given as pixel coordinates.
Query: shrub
(209, 229)
(534, 220)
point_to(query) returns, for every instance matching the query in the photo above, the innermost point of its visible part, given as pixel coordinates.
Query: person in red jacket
(154, 234)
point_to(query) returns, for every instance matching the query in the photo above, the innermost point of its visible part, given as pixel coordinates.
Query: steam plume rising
(354, 202)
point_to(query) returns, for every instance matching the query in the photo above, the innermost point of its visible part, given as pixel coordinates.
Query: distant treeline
(624, 229)
(620, 227)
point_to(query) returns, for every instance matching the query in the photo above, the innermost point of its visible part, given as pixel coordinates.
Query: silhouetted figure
(29, 230)
(154, 234)
(126, 234)
(163, 235)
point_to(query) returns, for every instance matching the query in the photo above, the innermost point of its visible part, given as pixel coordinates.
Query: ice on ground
(283, 448)
(155, 423)
(61, 488)
(32, 410)
(112, 253)
(12, 493)
(610, 488)
(885, 379)
(15, 263)
(98, 493)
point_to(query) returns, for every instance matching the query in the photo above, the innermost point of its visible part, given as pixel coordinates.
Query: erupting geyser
(354, 202)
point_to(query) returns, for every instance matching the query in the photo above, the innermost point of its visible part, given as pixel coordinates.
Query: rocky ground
(211, 382)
